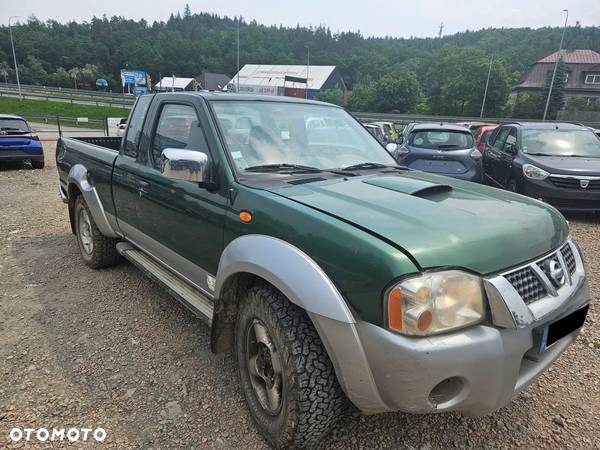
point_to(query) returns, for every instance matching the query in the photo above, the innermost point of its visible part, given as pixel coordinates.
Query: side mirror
(400, 140)
(391, 147)
(186, 165)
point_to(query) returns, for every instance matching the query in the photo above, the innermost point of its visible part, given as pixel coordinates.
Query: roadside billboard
(136, 81)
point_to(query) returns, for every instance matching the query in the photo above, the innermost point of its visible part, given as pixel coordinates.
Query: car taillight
(475, 155)
(35, 137)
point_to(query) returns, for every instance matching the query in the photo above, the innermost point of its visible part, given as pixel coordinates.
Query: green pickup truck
(334, 276)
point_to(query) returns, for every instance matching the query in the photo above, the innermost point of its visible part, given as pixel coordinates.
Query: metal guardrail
(68, 126)
(80, 101)
(38, 88)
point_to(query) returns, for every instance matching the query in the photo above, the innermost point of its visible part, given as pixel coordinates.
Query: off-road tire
(37, 164)
(312, 399)
(104, 252)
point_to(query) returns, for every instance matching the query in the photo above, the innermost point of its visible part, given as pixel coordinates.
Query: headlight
(435, 302)
(533, 172)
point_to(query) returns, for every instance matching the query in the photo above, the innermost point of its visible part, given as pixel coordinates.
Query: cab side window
(178, 127)
(136, 123)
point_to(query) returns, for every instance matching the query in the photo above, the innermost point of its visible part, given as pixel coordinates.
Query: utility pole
(238, 55)
(307, 70)
(441, 30)
(556, 65)
(12, 44)
(487, 84)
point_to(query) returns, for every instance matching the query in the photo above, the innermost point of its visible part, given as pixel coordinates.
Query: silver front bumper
(487, 365)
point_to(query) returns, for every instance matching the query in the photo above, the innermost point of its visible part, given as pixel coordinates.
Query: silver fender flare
(304, 283)
(78, 177)
(287, 268)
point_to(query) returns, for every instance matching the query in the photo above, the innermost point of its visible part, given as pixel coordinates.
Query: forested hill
(188, 44)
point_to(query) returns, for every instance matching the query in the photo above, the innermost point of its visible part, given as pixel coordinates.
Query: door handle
(143, 187)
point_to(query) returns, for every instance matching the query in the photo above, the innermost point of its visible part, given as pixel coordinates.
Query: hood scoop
(410, 186)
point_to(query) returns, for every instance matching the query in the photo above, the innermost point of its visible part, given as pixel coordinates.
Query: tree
(456, 82)
(557, 98)
(398, 92)
(362, 97)
(528, 105)
(187, 13)
(335, 96)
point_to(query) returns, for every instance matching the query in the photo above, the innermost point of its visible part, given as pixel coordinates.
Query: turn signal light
(245, 217)
(395, 309)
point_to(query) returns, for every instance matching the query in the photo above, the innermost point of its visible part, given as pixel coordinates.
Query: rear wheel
(97, 250)
(37, 164)
(286, 376)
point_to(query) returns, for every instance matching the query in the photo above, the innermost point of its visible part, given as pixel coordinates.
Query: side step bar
(190, 297)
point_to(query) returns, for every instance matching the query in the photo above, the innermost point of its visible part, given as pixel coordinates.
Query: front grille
(574, 183)
(527, 284)
(569, 258)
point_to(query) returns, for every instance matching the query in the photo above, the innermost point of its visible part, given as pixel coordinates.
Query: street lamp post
(556, 65)
(238, 55)
(12, 44)
(487, 84)
(307, 69)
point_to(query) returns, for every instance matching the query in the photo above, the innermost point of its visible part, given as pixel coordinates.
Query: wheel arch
(254, 259)
(77, 182)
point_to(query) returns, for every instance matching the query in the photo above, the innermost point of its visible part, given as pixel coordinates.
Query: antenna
(441, 29)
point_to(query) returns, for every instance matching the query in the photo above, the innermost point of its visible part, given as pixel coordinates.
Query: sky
(397, 18)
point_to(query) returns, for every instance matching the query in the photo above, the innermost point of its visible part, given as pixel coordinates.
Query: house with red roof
(583, 73)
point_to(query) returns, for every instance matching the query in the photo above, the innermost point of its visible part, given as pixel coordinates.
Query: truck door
(126, 174)
(180, 223)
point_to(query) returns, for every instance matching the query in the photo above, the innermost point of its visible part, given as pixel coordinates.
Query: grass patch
(30, 108)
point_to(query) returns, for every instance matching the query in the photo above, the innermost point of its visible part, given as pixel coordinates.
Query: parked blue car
(442, 149)
(18, 142)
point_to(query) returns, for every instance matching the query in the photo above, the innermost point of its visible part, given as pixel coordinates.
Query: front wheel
(512, 186)
(286, 376)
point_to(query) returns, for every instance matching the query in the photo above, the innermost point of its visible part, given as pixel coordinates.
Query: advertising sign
(257, 89)
(137, 81)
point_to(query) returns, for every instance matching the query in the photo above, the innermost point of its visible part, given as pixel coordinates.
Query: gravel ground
(83, 348)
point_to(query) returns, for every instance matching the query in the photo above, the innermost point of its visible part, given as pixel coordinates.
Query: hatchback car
(558, 163)
(18, 142)
(442, 149)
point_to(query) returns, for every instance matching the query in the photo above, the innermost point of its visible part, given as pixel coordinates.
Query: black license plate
(555, 331)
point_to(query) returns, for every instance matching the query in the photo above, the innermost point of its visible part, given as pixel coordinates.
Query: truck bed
(110, 142)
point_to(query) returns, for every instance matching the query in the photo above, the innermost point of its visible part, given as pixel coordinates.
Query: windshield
(441, 139)
(561, 143)
(14, 125)
(260, 133)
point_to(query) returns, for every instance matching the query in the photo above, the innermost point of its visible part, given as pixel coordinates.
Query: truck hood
(439, 221)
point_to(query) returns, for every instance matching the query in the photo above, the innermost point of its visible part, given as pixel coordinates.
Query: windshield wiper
(371, 165)
(290, 168)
